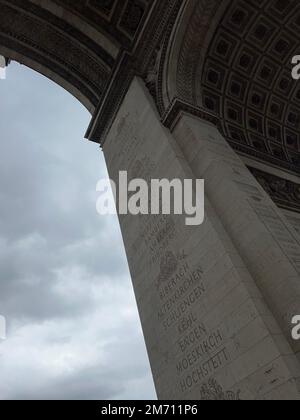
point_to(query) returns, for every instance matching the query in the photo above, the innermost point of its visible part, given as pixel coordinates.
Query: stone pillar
(267, 243)
(209, 332)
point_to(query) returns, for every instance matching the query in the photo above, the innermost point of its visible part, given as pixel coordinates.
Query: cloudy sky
(65, 290)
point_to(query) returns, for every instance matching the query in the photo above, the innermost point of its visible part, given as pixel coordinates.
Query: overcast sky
(65, 289)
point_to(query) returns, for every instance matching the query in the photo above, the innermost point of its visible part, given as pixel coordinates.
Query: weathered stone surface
(209, 331)
(264, 238)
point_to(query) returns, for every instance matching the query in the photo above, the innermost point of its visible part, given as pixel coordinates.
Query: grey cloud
(73, 328)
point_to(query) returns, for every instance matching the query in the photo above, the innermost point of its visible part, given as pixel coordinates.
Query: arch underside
(246, 80)
(76, 44)
(233, 59)
(230, 62)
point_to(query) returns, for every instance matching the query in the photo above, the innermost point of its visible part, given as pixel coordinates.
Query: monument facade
(193, 89)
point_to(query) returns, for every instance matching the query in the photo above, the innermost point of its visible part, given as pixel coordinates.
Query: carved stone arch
(187, 46)
(246, 80)
(231, 61)
(56, 77)
(41, 36)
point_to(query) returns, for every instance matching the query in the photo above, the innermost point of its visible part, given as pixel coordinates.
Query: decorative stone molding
(144, 60)
(36, 34)
(246, 80)
(60, 47)
(234, 70)
(178, 107)
(285, 193)
(234, 60)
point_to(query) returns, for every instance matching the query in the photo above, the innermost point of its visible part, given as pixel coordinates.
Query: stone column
(267, 243)
(209, 332)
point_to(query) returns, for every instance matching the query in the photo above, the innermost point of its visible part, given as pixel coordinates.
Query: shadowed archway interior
(232, 62)
(74, 43)
(247, 80)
